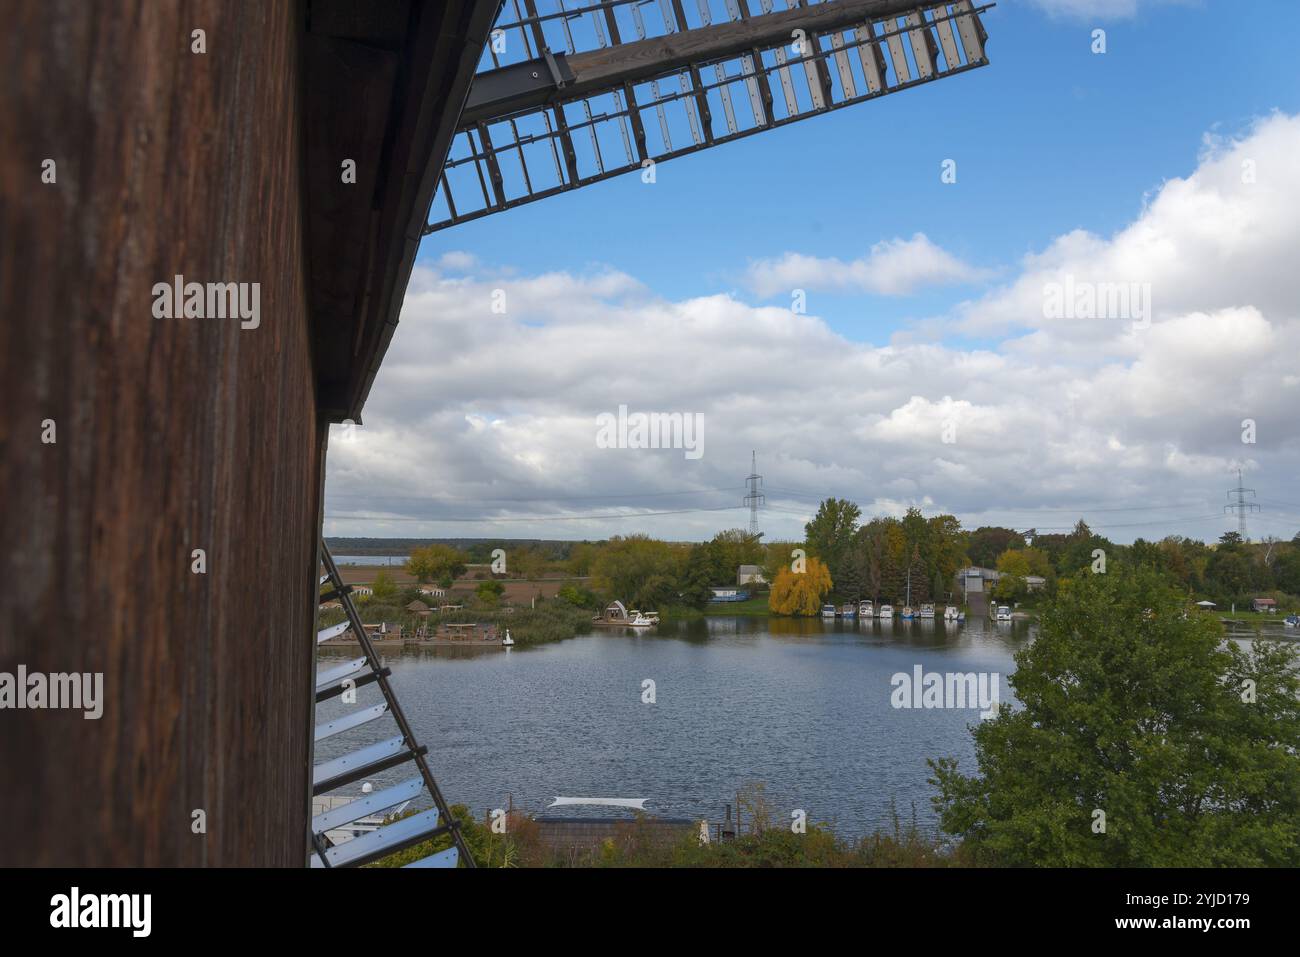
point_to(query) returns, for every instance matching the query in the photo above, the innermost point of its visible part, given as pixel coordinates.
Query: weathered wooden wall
(171, 434)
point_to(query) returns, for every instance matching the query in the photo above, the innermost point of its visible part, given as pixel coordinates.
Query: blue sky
(1050, 137)
(1122, 167)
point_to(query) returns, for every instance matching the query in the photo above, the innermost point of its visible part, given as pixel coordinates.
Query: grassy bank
(754, 607)
(550, 621)
(1254, 617)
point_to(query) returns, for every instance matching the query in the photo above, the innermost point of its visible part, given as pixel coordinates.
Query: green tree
(656, 592)
(830, 532)
(879, 550)
(577, 596)
(778, 555)
(1080, 544)
(915, 581)
(435, 562)
(581, 556)
(918, 533)
(733, 548)
(947, 554)
(852, 583)
(384, 588)
(525, 562)
(1010, 588)
(1023, 562)
(1227, 573)
(1287, 571)
(490, 591)
(1134, 706)
(622, 568)
(990, 541)
(698, 576)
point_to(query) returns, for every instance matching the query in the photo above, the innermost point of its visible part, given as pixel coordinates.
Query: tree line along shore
(840, 559)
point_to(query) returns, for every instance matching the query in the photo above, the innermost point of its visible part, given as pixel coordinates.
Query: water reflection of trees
(796, 626)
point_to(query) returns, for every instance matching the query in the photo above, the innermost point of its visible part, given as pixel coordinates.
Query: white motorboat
(1004, 613)
(927, 610)
(865, 610)
(828, 611)
(886, 611)
(950, 613)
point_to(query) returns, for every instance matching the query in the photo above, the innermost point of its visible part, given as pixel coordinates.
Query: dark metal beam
(511, 89)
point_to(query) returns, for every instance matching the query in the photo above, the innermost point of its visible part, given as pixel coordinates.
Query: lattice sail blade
(569, 96)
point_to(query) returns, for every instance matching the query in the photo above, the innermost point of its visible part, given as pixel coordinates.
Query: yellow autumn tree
(800, 593)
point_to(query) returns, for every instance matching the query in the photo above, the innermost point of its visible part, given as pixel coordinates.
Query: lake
(803, 707)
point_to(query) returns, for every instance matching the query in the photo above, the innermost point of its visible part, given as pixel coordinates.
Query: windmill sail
(581, 92)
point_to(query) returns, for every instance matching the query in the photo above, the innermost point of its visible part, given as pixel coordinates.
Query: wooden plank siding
(171, 435)
(178, 434)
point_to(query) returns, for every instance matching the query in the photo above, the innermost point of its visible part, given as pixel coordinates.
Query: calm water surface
(802, 707)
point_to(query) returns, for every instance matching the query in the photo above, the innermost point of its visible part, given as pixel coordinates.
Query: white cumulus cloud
(894, 267)
(480, 413)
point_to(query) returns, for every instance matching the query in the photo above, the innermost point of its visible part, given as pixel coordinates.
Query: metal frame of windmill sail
(579, 94)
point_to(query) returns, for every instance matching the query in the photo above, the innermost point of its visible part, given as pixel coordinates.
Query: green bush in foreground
(1145, 740)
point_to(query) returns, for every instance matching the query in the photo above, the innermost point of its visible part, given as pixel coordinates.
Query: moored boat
(865, 610)
(907, 614)
(927, 610)
(828, 611)
(950, 613)
(886, 611)
(1004, 613)
(849, 610)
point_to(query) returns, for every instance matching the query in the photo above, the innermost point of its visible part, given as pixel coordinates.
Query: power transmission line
(489, 519)
(1241, 506)
(754, 498)
(432, 499)
(1051, 528)
(1071, 508)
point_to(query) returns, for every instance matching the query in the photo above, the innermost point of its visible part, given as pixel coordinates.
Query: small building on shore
(976, 579)
(615, 613)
